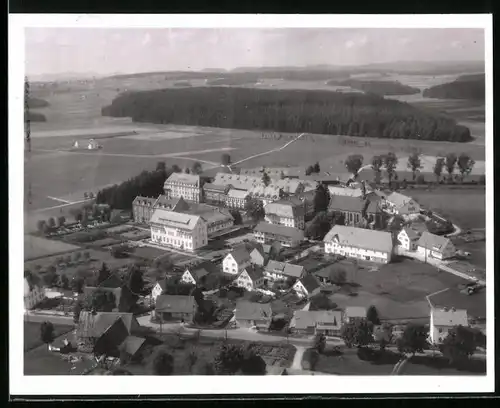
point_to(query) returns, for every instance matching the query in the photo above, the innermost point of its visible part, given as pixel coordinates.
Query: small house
(326, 322)
(283, 270)
(287, 236)
(236, 261)
(408, 239)
(158, 289)
(354, 313)
(400, 204)
(194, 275)
(251, 314)
(308, 286)
(175, 308)
(435, 246)
(251, 278)
(442, 320)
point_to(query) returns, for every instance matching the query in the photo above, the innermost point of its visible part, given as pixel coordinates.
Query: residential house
(215, 194)
(442, 320)
(217, 219)
(237, 199)
(287, 236)
(178, 230)
(307, 286)
(435, 246)
(326, 322)
(283, 270)
(142, 209)
(400, 204)
(257, 256)
(354, 313)
(408, 239)
(175, 308)
(158, 289)
(252, 314)
(184, 185)
(194, 275)
(251, 278)
(177, 204)
(92, 325)
(237, 260)
(285, 212)
(352, 242)
(355, 209)
(33, 294)
(114, 285)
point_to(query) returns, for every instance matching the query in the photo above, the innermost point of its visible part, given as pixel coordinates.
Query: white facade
(300, 289)
(236, 199)
(232, 267)
(157, 291)
(188, 278)
(32, 296)
(220, 225)
(442, 321)
(179, 235)
(410, 244)
(332, 247)
(186, 186)
(245, 281)
(445, 253)
(294, 222)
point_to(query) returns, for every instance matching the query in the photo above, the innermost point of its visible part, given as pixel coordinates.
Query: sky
(130, 50)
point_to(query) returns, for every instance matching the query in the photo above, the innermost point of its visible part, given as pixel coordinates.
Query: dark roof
(112, 337)
(139, 200)
(94, 325)
(132, 344)
(255, 272)
(217, 187)
(353, 204)
(112, 282)
(175, 304)
(279, 230)
(246, 310)
(310, 283)
(412, 234)
(174, 204)
(202, 269)
(240, 254)
(433, 242)
(285, 268)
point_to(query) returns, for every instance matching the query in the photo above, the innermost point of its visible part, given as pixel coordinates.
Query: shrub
(420, 179)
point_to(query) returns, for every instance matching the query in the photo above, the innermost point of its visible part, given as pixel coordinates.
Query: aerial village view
(281, 216)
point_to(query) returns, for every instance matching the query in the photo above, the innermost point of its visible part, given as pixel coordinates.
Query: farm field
(32, 334)
(37, 247)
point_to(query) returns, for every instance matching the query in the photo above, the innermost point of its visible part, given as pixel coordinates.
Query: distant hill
(34, 117)
(381, 88)
(34, 103)
(470, 87)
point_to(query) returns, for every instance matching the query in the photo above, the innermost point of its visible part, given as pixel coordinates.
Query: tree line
(377, 87)
(465, 87)
(304, 111)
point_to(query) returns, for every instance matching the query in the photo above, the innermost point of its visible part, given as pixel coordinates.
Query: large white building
(285, 212)
(360, 243)
(443, 320)
(183, 185)
(435, 246)
(400, 204)
(183, 231)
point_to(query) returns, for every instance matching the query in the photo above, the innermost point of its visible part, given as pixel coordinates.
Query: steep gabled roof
(172, 204)
(310, 283)
(255, 272)
(360, 238)
(411, 233)
(433, 242)
(285, 268)
(202, 269)
(94, 325)
(112, 337)
(353, 204)
(240, 254)
(280, 230)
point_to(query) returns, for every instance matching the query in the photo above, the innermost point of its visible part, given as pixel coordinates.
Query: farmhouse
(307, 286)
(251, 278)
(359, 243)
(283, 270)
(325, 322)
(143, 208)
(194, 275)
(354, 313)
(236, 199)
(33, 294)
(285, 212)
(183, 185)
(435, 246)
(400, 204)
(215, 194)
(442, 320)
(408, 239)
(269, 233)
(184, 231)
(175, 308)
(242, 256)
(251, 314)
(355, 209)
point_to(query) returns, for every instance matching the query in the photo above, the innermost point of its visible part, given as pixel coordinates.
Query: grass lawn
(32, 334)
(352, 362)
(35, 247)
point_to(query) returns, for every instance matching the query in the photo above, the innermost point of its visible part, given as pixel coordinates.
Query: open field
(32, 334)
(35, 247)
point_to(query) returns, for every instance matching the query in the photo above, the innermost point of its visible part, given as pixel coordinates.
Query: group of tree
(47, 332)
(377, 87)
(101, 213)
(313, 169)
(146, 184)
(51, 224)
(464, 163)
(470, 87)
(320, 112)
(234, 359)
(319, 226)
(254, 209)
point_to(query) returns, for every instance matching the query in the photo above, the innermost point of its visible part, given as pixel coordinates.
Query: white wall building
(236, 261)
(285, 212)
(182, 231)
(352, 242)
(237, 198)
(435, 246)
(443, 320)
(400, 204)
(250, 278)
(408, 239)
(183, 185)
(33, 294)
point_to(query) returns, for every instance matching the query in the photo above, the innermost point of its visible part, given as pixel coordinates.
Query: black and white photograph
(245, 196)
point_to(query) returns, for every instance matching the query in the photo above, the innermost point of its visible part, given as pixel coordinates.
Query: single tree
(85, 219)
(254, 209)
(40, 225)
(459, 344)
(85, 196)
(77, 256)
(413, 340)
(103, 274)
(438, 168)
(162, 362)
(61, 220)
(321, 198)
(316, 168)
(377, 163)
(135, 280)
(47, 332)
(372, 315)
(414, 164)
(465, 164)
(196, 169)
(313, 359)
(309, 170)
(191, 359)
(236, 216)
(176, 169)
(91, 195)
(321, 302)
(266, 180)
(187, 170)
(161, 166)
(450, 162)
(77, 284)
(320, 343)
(50, 278)
(282, 175)
(225, 159)
(353, 163)
(228, 359)
(357, 333)
(101, 301)
(64, 281)
(319, 225)
(383, 336)
(338, 276)
(390, 164)
(77, 309)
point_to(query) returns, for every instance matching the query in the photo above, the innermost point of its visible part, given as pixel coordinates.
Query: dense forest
(233, 80)
(377, 87)
(320, 112)
(464, 87)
